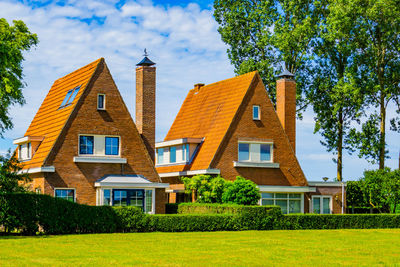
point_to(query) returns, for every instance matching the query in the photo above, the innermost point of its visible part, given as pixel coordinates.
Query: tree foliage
(14, 40)
(10, 180)
(242, 192)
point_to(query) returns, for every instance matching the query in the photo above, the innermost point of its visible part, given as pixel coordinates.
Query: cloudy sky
(181, 37)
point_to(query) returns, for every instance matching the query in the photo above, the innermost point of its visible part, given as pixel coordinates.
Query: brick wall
(335, 192)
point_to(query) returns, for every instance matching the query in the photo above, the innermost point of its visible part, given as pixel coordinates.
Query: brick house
(231, 128)
(83, 145)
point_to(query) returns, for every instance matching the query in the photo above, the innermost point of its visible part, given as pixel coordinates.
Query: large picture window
(67, 194)
(86, 144)
(289, 202)
(112, 146)
(255, 152)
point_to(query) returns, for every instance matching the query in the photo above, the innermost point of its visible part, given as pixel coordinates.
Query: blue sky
(180, 36)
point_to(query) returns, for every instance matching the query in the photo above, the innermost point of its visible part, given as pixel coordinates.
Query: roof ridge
(87, 65)
(232, 78)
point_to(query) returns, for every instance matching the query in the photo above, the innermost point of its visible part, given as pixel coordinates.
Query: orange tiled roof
(50, 120)
(208, 113)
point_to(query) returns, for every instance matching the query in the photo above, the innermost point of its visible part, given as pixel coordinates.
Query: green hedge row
(338, 221)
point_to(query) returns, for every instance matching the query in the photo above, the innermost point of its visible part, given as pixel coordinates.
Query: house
(82, 145)
(231, 128)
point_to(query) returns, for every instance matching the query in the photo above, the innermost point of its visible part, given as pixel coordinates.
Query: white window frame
(28, 151)
(258, 113)
(301, 199)
(183, 149)
(321, 203)
(250, 151)
(64, 188)
(100, 196)
(104, 102)
(95, 152)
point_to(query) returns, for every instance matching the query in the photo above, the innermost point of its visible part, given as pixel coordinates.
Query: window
(112, 146)
(160, 156)
(101, 101)
(69, 97)
(321, 204)
(244, 152)
(187, 153)
(149, 201)
(172, 154)
(86, 144)
(120, 198)
(107, 197)
(67, 194)
(289, 203)
(256, 112)
(38, 190)
(254, 152)
(25, 151)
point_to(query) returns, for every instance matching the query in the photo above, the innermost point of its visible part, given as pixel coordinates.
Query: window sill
(86, 159)
(256, 164)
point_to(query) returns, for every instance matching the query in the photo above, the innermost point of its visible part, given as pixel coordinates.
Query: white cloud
(183, 41)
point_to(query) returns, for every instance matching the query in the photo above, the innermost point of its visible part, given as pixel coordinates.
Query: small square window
(86, 144)
(244, 153)
(112, 146)
(67, 194)
(101, 101)
(256, 112)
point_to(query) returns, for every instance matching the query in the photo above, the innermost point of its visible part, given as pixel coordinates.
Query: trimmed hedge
(214, 208)
(171, 208)
(339, 221)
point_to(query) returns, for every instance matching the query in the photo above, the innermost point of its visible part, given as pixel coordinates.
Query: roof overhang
(28, 138)
(195, 172)
(126, 181)
(326, 184)
(286, 189)
(181, 141)
(38, 170)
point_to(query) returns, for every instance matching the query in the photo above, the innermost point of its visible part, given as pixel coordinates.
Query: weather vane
(145, 52)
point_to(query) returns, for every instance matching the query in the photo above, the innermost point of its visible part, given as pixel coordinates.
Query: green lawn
(316, 247)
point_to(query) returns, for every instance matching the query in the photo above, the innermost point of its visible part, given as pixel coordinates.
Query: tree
(354, 195)
(378, 43)
(10, 180)
(205, 188)
(242, 192)
(260, 34)
(336, 93)
(14, 40)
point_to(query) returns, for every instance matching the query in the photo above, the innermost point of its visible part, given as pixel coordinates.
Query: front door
(128, 197)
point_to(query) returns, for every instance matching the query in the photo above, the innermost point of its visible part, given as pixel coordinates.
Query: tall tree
(14, 40)
(378, 43)
(11, 180)
(262, 33)
(335, 92)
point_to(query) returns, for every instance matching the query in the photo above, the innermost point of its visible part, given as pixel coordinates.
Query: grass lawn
(316, 247)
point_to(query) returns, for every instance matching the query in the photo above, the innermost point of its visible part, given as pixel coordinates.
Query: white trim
(179, 142)
(327, 184)
(130, 185)
(64, 188)
(104, 102)
(26, 139)
(252, 153)
(255, 164)
(195, 172)
(321, 207)
(287, 199)
(100, 160)
(38, 170)
(285, 189)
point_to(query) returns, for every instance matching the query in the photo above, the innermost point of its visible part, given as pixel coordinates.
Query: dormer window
(178, 151)
(256, 112)
(25, 151)
(101, 101)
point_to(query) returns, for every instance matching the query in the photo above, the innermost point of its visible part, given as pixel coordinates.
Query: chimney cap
(145, 61)
(285, 73)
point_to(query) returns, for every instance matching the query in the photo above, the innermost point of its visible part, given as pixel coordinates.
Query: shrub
(242, 192)
(171, 208)
(339, 221)
(206, 188)
(131, 219)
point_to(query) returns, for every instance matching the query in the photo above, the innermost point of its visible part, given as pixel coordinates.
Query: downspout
(342, 198)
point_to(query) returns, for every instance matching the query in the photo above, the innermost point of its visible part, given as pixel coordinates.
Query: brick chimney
(286, 104)
(146, 102)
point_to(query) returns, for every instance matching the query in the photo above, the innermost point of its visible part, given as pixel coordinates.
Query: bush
(171, 208)
(242, 192)
(131, 219)
(339, 221)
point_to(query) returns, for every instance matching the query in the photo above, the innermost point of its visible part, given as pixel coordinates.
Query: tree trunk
(340, 146)
(382, 137)
(193, 195)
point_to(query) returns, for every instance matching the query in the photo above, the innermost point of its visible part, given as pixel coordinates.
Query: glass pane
(66, 99)
(267, 195)
(326, 205)
(265, 152)
(149, 201)
(100, 102)
(267, 202)
(172, 154)
(112, 146)
(187, 153)
(279, 195)
(316, 205)
(296, 196)
(106, 197)
(160, 155)
(243, 152)
(283, 205)
(256, 112)
(294, 206)
(86, 144)
(76, 90)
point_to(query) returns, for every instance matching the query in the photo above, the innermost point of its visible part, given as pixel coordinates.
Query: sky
(180, 36)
